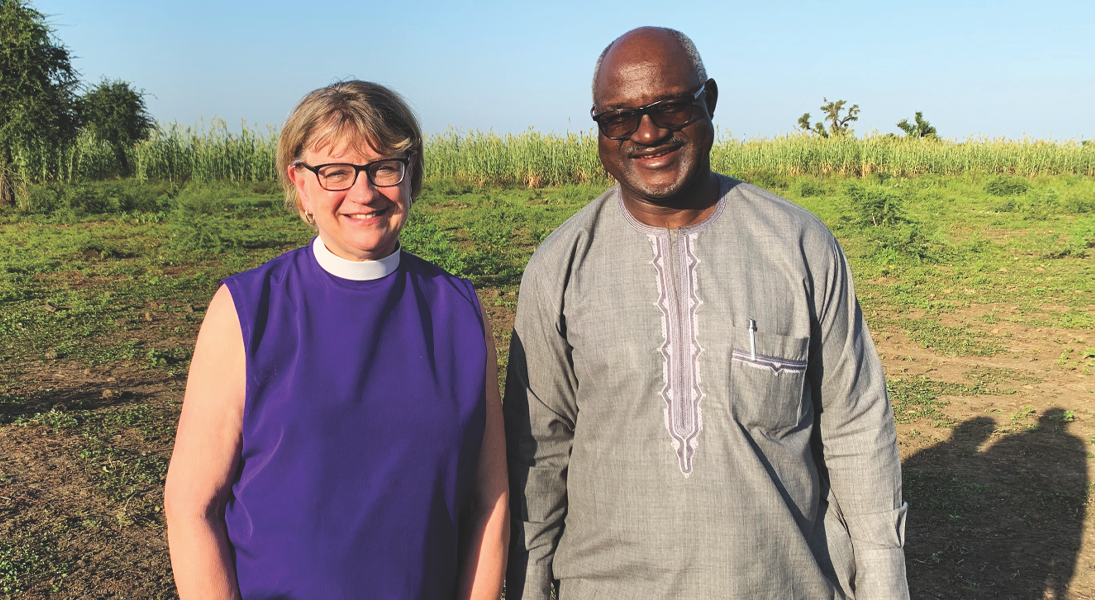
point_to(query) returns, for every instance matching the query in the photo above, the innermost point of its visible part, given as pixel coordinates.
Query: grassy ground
(978, 292)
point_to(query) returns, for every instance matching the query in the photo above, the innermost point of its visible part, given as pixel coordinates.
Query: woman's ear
(298, 177)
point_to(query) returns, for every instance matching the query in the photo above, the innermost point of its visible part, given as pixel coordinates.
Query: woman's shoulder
(438, 277)
(274, 268)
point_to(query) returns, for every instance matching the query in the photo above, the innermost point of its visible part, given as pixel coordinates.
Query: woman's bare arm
(207, 450)
(487, 538)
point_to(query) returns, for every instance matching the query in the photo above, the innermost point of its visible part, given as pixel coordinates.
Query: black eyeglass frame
(651, 110)
(406, 160)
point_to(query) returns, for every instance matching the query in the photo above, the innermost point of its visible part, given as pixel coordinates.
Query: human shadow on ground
(1003, 523)
(85, 397)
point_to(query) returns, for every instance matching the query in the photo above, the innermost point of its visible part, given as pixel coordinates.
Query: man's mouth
(654, 153)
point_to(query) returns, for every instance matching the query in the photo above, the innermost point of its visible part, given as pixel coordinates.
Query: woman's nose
(362, 190)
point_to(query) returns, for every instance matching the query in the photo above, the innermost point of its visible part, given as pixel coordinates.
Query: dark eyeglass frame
(406, 160)
(651, 110)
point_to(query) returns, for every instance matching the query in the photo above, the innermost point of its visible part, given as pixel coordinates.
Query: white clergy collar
(354, 270)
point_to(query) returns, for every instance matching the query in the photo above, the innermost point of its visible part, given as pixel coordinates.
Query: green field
(977, 283)
(213, 152)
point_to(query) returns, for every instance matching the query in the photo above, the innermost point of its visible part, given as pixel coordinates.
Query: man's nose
(648, 133)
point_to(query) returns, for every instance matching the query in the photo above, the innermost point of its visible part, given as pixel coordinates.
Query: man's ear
(711, 96)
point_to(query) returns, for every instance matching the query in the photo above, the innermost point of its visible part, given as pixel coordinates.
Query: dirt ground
(1000, 499)
(998, 491)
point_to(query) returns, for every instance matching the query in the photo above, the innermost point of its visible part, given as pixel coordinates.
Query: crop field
(212, 152)
(978, 283)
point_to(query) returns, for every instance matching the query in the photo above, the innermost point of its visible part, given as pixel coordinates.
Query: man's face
(654, 164)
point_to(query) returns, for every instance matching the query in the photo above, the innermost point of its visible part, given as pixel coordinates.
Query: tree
(839, 125)
(114, 112)
(920, 129)
(37, 92)
(818, 128)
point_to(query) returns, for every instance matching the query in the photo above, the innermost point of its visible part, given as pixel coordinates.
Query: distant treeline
(534, 159)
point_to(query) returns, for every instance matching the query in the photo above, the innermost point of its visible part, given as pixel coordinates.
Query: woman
(341, 432)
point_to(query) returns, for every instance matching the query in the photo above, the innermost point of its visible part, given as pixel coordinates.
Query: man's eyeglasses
(671, 113)
(335, 177)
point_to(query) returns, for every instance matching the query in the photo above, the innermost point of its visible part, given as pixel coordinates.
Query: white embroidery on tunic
(679, 302)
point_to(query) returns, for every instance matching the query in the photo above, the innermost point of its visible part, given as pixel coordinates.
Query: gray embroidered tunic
(699, 413)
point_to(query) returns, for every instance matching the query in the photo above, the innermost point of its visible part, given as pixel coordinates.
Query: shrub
(40, 199)
(809, 188)
(1074, 204)
(903, 242)
(767, 180)
(93, 198)
(197, 222)
(875, 206)
(1007, 186)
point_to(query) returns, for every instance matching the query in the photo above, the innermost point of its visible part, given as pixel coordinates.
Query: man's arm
(859, 442)
(540, 411)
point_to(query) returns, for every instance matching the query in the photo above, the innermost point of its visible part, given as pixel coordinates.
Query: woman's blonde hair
(354, 112)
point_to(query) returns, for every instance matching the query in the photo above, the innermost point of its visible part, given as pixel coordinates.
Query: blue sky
(974, 68)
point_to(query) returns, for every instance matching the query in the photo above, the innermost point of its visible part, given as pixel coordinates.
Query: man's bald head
(654, 35)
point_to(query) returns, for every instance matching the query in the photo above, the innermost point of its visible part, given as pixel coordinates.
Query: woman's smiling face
(359, 223)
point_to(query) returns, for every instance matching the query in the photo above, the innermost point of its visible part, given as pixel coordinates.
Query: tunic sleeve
(857, 435)
(540, 412)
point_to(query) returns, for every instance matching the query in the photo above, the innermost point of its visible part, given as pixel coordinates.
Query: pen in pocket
(753, 338)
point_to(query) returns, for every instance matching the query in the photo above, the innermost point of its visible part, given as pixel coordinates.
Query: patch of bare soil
(501, 316)
(81, 491)
(76, 542)
(999, 503)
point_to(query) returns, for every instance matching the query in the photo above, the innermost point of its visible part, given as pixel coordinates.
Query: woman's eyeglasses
(335, 177)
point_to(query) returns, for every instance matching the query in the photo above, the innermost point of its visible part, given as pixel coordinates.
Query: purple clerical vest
(361, 432)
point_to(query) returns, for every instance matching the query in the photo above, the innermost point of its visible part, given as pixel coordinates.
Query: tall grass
(213, 153)
(531, 158)
(175, 153)
(798, 154)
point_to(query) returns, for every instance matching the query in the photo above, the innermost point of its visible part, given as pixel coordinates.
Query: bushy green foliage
(767, 180)
(445, 188)
(1075, 204)
(1048, 201)
(874, 205)
(879, 210)
(197, 223)
(94, 198)
(114, 112)
(808, 188)
(1007, 186)
(840, 125)
(920, 128)
(37, 96)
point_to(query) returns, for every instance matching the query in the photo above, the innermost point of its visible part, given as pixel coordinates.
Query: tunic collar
(720, 206)
(354, 270)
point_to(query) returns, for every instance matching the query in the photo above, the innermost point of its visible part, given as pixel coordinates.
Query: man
(694, 407)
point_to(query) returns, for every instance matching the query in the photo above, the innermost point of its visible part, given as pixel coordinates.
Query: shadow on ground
(1003, 523)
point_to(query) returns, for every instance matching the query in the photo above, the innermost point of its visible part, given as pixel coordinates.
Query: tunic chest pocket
(766, 389)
